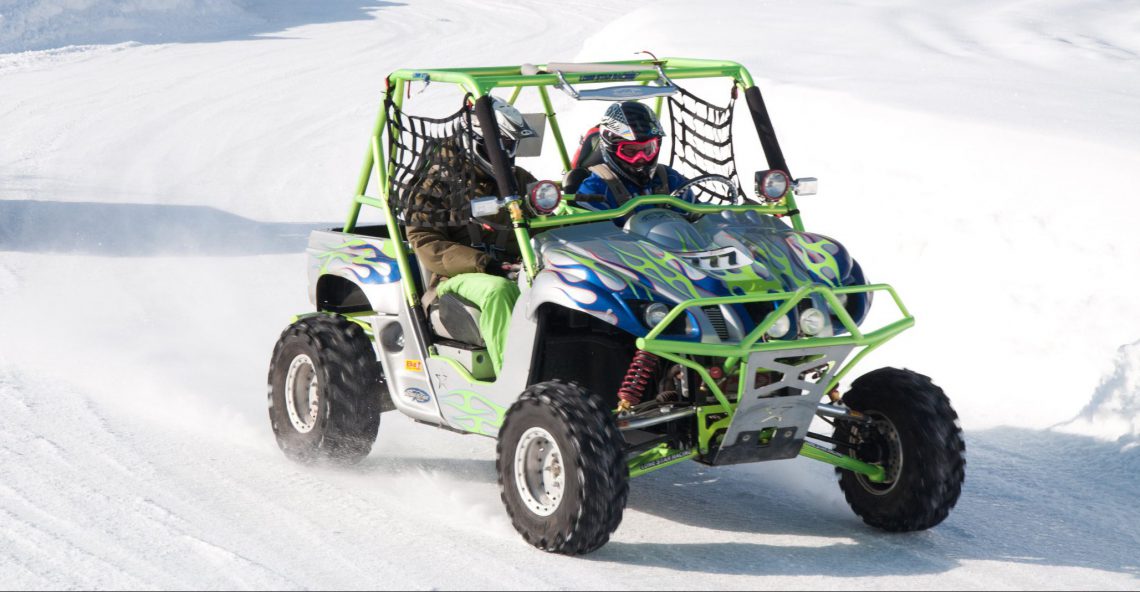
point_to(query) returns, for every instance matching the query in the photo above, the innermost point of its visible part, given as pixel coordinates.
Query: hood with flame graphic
(599, 268)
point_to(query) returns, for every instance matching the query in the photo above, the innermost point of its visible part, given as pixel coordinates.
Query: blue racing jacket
(594, 184)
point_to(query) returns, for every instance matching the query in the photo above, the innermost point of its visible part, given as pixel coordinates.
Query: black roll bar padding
(492, 139)
(764, 129)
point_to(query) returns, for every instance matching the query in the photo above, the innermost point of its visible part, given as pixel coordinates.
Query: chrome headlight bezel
(780, 328)
(653, 313)
(650, 313)
(813, 321)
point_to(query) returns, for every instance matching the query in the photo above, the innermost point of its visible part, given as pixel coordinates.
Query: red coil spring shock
(642, 371)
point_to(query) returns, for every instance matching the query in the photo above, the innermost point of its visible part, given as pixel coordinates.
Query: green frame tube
(725, 406)
(874, 473)
(366, 173)
(479, 81)
(522, 235)
(707, 426)
(644, 200)
(554, 127)
(662, 456)
(752, 341)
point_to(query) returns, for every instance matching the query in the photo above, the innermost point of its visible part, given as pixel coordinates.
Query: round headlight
(655, 313)
(774, 185)
(813, 321)
(545, 197)
(780, 328)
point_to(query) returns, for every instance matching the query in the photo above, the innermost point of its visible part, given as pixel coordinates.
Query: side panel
(479, 407)
(405, 364)
(367, 261)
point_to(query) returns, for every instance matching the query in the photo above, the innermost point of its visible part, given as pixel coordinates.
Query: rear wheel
(562, 474)
(325, 388)
(914, 434)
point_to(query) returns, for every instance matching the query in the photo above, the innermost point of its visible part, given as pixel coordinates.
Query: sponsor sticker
(416, 395)
(414, 365)
(608, 76)
(667, 459)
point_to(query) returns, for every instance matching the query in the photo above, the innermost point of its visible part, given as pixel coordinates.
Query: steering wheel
(723, 180)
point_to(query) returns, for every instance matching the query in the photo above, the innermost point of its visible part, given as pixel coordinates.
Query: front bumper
(769, 419)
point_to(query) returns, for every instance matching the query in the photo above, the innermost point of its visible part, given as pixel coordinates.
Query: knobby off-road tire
(570, 436)
(327, 366)
(916, 436)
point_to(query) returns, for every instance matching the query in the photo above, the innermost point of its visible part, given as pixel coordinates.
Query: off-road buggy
(714, 329)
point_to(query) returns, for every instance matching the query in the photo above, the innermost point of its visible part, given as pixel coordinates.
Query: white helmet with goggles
(513, 128)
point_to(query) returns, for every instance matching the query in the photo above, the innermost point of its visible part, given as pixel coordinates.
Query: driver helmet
(631, 141)
(512, 128)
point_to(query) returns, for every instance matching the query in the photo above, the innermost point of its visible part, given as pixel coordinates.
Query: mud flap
(772, 419)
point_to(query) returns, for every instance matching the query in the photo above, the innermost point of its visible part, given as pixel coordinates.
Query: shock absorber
(642, 372)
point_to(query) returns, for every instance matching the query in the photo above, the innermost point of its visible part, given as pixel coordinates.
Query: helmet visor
(638, 152)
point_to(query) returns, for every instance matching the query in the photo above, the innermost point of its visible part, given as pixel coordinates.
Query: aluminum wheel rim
(540, 475)
(302, 397)
(894, 465)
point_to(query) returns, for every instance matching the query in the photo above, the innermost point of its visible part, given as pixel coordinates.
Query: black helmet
(631, 140)
(512, 128)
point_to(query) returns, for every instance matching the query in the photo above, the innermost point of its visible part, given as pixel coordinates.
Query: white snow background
(162, 161)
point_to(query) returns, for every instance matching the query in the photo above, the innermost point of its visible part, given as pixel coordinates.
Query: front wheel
(325, 391)
(915, 436)
(562, 474)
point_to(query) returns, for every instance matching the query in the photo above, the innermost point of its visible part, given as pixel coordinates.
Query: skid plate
(772, 420)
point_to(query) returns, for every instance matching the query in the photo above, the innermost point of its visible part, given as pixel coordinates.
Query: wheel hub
(878, 443)
(540, 475)
(302, 396)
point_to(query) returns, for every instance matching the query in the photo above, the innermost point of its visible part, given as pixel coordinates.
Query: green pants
(495, 296)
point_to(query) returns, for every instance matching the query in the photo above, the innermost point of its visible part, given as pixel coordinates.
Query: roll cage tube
(772, 152)
(492, 139)
(480, 81)
(777, 209)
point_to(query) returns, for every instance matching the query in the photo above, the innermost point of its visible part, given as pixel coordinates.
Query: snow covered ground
(156, 190)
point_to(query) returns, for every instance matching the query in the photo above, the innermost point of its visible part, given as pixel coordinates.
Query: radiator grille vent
(716, 317)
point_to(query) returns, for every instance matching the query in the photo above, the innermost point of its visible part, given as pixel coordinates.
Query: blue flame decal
(364, 260)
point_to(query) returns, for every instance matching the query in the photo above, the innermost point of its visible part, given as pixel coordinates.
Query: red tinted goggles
(634, 152)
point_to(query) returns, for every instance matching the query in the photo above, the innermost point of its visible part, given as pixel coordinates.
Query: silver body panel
(411, 389)
(478, 406)
(366, 261)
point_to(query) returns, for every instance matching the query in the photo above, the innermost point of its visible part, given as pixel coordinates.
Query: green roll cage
(711, 418)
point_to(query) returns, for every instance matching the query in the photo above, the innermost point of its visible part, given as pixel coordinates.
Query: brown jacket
(447, 252)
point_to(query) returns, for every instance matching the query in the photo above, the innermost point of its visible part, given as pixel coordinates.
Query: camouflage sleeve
(444, 256)
(438, 249)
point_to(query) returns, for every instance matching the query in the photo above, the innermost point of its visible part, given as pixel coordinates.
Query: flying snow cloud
(1114, 411)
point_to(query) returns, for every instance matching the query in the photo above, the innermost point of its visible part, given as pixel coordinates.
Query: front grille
(716, 317)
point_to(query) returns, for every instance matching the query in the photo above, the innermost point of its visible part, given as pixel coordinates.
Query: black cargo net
(433, 178)
(702, 144)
